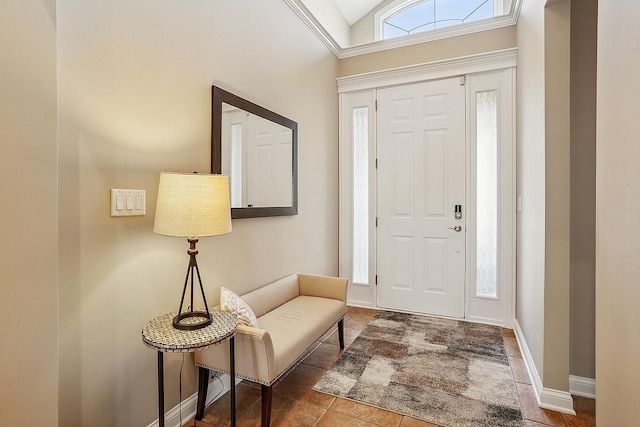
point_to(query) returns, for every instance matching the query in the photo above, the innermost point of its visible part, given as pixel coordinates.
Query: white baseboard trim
(556, 400)
(583, 387)
(217, 387)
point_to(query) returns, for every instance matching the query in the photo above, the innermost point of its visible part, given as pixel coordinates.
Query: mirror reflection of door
(234, 129)
(257, 155)
(268, 163)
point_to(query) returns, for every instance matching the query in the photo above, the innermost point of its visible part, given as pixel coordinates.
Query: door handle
(457, 228)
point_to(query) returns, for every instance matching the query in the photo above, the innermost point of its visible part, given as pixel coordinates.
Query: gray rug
(446, 372)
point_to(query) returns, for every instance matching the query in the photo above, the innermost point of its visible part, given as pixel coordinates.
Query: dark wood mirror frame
(220, 96)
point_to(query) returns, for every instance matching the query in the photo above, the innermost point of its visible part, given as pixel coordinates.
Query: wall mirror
(258, 150)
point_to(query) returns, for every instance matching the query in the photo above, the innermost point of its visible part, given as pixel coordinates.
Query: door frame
(364, 86)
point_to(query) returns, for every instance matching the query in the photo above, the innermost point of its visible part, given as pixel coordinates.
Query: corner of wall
(555, 400)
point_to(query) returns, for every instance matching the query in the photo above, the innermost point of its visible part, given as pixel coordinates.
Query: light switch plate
(128, 202)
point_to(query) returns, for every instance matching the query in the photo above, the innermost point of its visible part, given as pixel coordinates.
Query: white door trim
(479, 63)
(366, 84)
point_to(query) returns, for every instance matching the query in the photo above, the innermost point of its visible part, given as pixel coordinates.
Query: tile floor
(296, 404)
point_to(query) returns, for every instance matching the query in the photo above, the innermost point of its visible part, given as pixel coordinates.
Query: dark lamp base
(190, 326)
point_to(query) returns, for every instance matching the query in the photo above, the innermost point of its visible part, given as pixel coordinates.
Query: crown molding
(307, 17)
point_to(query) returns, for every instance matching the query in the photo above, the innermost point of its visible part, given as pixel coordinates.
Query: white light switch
(128, 202)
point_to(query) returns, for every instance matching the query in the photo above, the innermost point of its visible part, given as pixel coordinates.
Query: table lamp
(192, 205)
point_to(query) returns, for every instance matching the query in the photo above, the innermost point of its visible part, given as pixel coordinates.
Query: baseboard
(217, 387)
(556, 400)
(583, 387)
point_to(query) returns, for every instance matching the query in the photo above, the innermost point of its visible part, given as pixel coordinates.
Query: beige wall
(531, 178)
(134, 91)
(363, 31)
(485, 41)
(557, 19)
(28, 233)
(556, 172)
(584, 21)
(617, 206)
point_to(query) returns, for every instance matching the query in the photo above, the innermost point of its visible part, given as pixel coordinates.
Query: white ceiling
(353, 10)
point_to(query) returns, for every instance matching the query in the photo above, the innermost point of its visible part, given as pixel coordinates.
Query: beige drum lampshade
(192, 205)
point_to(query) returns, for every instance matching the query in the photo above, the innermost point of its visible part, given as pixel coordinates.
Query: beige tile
(334, 419)
(585, 413)
(508, 333)
(324, 356)
(511, 345)
(519, 370)
(285, 412)
(531, 410)
(218, 413)
(357, 321)
(366, 412)
(298, 384)
(584, 405)
(360, 310)
(328, 334)
(251, 384)
(350, 336)
(412, 422)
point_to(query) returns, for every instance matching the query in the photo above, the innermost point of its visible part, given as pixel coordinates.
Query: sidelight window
(486, 194)
(361, 195)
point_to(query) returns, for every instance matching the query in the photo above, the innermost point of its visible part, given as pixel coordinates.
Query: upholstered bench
(292, 314)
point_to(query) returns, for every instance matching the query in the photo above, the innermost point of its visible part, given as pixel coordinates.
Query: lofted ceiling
(353, 10)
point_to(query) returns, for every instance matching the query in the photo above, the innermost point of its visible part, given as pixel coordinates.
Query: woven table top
(160, 335)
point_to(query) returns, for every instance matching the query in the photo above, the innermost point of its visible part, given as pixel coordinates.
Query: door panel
(421, 177)
(269, 158)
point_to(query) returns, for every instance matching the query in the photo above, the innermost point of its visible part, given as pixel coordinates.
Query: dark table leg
(160, 390)
(232, 368)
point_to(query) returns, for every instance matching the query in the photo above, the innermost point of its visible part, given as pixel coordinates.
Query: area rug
(446, 372)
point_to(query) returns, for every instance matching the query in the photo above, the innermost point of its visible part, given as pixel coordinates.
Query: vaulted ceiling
(353, 10)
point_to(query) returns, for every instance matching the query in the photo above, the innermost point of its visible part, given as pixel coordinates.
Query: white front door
(421, 180)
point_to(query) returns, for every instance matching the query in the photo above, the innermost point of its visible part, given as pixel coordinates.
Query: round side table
(160, 335)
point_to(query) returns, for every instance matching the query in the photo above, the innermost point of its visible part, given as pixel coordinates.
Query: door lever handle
(457, 228)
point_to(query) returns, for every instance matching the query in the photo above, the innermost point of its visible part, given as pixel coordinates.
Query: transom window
(404, 17)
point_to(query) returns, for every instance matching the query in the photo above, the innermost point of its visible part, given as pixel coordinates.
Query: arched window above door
(405, 17)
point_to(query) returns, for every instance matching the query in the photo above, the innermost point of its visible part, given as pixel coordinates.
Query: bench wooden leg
(267, 394)
(341, 332)
(203, 385)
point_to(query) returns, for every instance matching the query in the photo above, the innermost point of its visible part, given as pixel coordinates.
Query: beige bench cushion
(296, 325)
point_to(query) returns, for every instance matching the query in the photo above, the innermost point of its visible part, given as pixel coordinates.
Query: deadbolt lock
(458, 211)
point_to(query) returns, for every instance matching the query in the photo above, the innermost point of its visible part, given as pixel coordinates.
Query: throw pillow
(232, 303)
